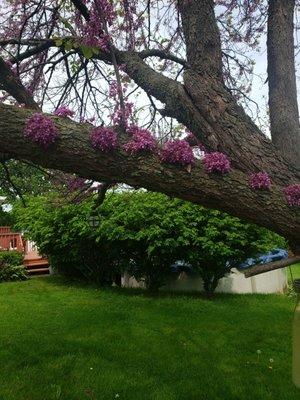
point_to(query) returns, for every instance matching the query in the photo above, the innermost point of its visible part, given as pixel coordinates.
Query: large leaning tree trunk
(206, 107)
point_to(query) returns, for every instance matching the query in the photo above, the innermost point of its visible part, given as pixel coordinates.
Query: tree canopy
(136, 86)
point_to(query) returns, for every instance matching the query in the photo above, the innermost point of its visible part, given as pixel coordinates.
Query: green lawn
(64, 341)
(295, 272)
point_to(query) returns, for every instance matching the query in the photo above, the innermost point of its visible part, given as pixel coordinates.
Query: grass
(295, 269)
(65, 341)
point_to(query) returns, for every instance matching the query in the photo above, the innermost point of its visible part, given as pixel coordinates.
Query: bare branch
(163, 55)
(14, 87)
(261, 268)
(82, 8)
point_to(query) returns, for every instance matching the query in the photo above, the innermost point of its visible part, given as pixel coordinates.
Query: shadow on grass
(60, 280)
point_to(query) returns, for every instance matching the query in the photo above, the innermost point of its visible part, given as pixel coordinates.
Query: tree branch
(32, 52)
(163, 55)
(14, 87)
(209, 110)
(262, 268)
(81, 7)
(73, 153)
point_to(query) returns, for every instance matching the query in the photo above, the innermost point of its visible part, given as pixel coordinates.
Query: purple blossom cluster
(106, 10)
(102, 13)
(292, 194)
(41, 130)
(142, 140)
(216, 162)
(104, 139)
(114, 90)
(132, 22)
(120, 115)
(177, 152)
(64, 111)
(260, 180)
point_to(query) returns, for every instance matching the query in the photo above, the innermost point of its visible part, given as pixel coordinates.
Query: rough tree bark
(74, 153)
(14, 87)
(206, 107)
(283, 105)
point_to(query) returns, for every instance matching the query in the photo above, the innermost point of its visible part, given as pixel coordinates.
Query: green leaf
(68, 45)
(87, 51)
(58, 42)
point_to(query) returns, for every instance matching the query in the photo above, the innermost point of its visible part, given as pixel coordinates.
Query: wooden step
(32, 263)
(38, 271)
(37, 267)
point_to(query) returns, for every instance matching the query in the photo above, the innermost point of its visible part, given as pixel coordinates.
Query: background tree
(6, 219)
(94, 56)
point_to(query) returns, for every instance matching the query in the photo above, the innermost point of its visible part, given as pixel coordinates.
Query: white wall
(269, 282)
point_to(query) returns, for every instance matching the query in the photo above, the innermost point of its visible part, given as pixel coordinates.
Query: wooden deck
(11, 240)
(34, 263)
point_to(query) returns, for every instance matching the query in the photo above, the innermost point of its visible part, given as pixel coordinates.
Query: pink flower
(104, 139)
(120, 115)
(64, 111)
(102, 12)
(142, 140)
(260, 180)
(41, 130)
(177, 152)
(292, 194)
(216, 162)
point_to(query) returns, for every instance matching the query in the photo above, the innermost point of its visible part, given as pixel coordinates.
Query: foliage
(19, 177)
(142, 233)
(62, 232)
(6, 218)
(10, 266)
(12, 273)
(12, 258)
(224, 243)
(154, 231)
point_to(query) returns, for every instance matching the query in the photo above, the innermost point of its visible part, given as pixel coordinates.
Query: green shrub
(10, 266)
(63, 234)
(142, 233)
(12, 273)
(153, 231)
(11, 258)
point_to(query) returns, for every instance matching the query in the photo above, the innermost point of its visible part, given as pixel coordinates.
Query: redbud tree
(155, 94)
